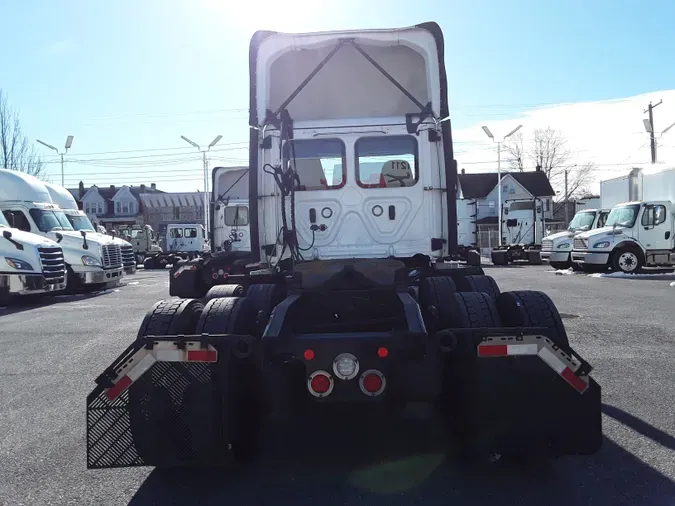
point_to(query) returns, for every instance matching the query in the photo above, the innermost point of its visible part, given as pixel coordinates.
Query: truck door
(656, 227)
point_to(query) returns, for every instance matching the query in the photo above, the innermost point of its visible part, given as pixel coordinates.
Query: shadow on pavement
(30, 302)
(611, 477)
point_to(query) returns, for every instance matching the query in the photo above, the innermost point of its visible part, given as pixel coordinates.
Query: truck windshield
(79, 222)
(582, 221)
(48, 220)
(623, 216)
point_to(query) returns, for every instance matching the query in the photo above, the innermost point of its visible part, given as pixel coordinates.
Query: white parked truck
(80, 221)
(522, 231)
(556, 248)
(29, 263)
(27, 205)
(638, 233)
(230, 223)
(351, 315)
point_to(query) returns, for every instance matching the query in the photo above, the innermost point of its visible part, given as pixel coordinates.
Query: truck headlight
(20, 265)
(91, 261)
(602, 244)
(564, 245)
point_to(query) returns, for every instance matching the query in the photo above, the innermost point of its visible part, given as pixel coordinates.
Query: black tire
(484, 284)
(473, 310)
(628, 260)
(576, 267)
(241, 382)
(435, 296)
(73, 282)
(170, 317)
(226, 315)
(218, 291)
(532, 309)
(559, 266)
(149, 263)
(263, 297)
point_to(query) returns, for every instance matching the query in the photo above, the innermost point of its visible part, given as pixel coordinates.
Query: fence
(487, 239)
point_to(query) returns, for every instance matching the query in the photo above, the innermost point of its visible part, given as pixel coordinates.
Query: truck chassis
(206, 381)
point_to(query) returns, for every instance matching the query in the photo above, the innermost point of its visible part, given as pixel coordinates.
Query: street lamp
(69, 142)
(206, 174)
(499, 171)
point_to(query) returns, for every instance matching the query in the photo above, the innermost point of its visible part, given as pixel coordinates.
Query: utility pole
(649, 126)
(567, 212)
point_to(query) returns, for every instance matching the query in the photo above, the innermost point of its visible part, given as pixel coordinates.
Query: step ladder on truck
(354, 310)
(523, 226)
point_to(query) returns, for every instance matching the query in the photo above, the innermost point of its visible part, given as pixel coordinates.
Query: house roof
(155, 200)
(479, 185)
(108, 192)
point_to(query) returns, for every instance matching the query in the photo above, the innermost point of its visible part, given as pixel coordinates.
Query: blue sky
(132, 77)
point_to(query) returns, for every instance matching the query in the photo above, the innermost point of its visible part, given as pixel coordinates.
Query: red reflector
(202, 356)
(214, 275)
(320, 383)
(573, 380)
(372, 383)
(119, 387)
(309, 354)
(382, 352)
(499, 350)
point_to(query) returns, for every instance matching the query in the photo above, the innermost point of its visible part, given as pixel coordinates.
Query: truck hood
(600, 232)
(74, 240)
(560, 235)
(28, 239)
(104, 238)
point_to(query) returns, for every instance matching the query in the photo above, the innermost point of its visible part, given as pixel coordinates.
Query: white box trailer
(639, 232)
(621, 189)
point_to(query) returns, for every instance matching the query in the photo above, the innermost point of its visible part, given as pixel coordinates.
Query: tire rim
(628, 261)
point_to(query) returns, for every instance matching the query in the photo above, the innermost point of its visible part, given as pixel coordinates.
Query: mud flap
(185, 281)
(524, 396)
(499, 257)
(165, 402)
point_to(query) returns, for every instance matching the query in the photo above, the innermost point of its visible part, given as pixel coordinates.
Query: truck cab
(29, 264)
(557, 248)
(80, 221)
(26, 204)
(230, 224)
(636, 235)
(522, 232)
(186, 238)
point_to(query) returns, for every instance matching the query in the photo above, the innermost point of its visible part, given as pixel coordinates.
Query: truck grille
(128, 256)
(112, 256)
(580, 243)
(53, 264)
(546, 245)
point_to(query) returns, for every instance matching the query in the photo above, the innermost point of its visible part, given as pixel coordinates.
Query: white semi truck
(27, 205)
(29, 264)
(556, 248)
(80, 221)
(639, 232)
(523, 226)
(230, 223)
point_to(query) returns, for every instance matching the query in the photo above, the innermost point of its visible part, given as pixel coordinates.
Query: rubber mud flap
(500, 257)
(186, 283)
(473, 258)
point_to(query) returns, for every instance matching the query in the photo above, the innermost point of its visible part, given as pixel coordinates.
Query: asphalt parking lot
(52, 352)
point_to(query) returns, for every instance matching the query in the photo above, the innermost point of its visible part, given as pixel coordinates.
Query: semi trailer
(80, 221)
(27, 205)
(352, 311)
(29, 264)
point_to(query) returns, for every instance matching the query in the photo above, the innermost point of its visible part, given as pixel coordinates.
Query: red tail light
(372, 382)
(320, 384)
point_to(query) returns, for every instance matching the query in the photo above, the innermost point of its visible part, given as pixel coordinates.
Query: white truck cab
(80, 221)
(557, 248)
(638, 233)
(29, 264)
(186, 238)
(349, 160)
(27, 205)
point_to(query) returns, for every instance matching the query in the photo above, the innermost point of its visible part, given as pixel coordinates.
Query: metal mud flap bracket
(522, 393)
(168, 401)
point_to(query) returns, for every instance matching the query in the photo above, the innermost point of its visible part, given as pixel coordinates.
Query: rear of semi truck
(351, 308)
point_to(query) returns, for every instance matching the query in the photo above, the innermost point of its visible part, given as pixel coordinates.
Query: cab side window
(602, 219)
(18, 220)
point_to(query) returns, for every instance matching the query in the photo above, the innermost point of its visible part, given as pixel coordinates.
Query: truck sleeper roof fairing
(416, 89)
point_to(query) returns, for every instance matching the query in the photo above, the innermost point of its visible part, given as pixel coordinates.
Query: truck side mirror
(7, 234)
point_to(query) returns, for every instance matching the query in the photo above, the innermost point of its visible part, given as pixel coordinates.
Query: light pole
(206, 175)
(499, 171)
(69, 142)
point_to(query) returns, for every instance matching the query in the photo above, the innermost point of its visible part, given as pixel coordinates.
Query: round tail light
(372, 382)
(320, 384)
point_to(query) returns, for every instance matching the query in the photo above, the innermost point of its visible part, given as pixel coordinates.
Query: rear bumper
(555, 256)
(28, 284)
(584, 257)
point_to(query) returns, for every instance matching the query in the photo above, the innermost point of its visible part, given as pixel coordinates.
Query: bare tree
(549, 152)
(515, 151)
(16, 152)
(579, 179)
